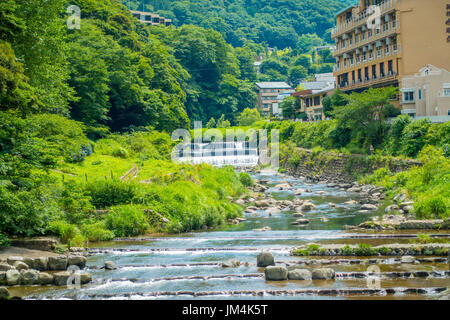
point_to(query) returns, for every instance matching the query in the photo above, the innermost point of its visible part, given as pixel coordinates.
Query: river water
(175, 267)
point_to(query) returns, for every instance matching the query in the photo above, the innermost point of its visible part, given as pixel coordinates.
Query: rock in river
(57, 263)
(300, 274)
(12, 277)
(265, 259)
(29, 277)
(273, 273)
(323, 274)
(109, 265)
(368, 206)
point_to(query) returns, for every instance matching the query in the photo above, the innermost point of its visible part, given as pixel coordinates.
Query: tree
(248, 117)
(211, 123)
(222, 123)
(289, 107)
(296, 74)
(363, 115)
(337, 99)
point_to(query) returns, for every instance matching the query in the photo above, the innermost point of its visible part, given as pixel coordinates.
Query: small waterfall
(237, 154)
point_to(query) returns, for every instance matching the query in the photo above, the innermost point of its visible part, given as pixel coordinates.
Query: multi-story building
(404, 36)
(427, 94)
(311, 98)
(151, 18)
(268, 93)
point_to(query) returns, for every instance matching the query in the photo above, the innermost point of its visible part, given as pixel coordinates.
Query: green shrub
(107, 193)
(246, 179)
(385, 251)
(364, 249)
(313, 247)
(126, 221)
(4, 242)
(347, 250)
(68, 233)
(97, 232)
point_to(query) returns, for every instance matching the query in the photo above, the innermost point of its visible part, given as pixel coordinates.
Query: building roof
(273, 85)
(346, 9)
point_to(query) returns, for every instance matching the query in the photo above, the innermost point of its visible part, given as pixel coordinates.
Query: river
(178, 266)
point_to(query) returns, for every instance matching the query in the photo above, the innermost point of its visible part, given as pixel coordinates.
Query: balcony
(394, 28)
(393, 50)
(368, 82)
(362, 18)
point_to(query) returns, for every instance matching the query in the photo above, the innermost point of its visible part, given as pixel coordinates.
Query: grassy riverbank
(121, 185)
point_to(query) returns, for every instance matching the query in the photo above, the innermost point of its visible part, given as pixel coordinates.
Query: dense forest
(276, 23)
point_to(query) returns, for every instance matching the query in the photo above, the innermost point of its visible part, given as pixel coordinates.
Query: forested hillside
(277, 23)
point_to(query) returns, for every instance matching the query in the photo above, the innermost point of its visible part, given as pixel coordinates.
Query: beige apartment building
(427, 93)
(151, 18)
(268, 93)
(409, 35)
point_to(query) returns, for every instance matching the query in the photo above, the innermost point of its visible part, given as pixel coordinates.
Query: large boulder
(4, 293)
(109, 265)
(40, 263)
(45, 279)
(5, 267)
(323, 274)
(85, 277)
(79, 261)
(29, 277)
(265, 259)
(300, 274)
(61, 278)
(57, 263)
(13, 259)
(19, 265)
(273, 273)
(12, 277)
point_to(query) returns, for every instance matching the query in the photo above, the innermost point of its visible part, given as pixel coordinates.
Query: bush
(68, 233)
(364, 249)
(4, 242)
(246, 179)
(126, 221)
(107, 193)
(97, 232)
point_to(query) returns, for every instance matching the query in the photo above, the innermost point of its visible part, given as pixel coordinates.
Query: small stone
(298, 214)
(109, 265)
(299, 274)
(369, 206)
(302, 221)
(265, 259)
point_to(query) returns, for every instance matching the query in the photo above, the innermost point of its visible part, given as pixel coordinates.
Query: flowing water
(177, 267)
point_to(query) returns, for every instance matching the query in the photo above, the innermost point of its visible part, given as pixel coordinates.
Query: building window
(420, 94)
(447, 92)
(408, 96)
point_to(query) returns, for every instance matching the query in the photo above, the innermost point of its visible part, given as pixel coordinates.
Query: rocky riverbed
(223, 263)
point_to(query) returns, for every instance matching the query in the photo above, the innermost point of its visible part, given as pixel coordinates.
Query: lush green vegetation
(50, 187)
(274, 23)
(428, 185)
